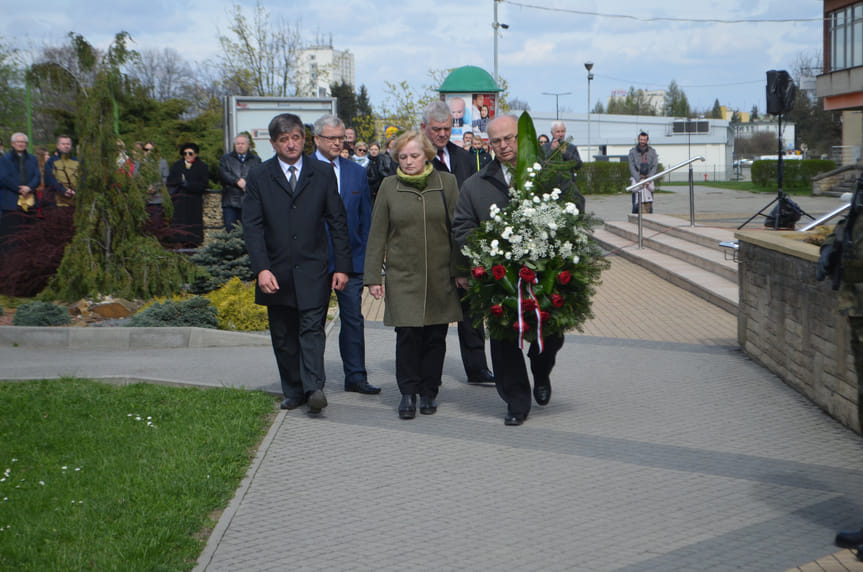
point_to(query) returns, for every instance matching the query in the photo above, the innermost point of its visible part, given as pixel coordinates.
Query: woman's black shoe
(408, 407)
(428, 406)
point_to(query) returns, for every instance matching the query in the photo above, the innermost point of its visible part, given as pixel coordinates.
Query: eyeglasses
(148, 149)
(508, 139)
(333, 138)
(362, 150)
(189, 153)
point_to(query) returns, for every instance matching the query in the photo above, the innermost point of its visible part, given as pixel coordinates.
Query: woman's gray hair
(327, 121)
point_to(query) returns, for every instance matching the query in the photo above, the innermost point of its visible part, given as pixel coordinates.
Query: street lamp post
(588, 66)
(556, 100)
(495, 26)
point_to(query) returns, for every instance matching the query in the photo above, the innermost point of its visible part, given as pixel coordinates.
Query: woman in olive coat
(410, 231)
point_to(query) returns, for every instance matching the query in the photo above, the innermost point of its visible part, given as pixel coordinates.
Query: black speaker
(780, 92)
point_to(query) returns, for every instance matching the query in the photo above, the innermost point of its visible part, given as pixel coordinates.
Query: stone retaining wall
(789, 323)
(213, 221)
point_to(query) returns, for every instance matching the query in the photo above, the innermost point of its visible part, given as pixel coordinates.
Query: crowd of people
(390, 217)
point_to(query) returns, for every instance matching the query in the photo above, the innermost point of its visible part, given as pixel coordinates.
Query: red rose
(478, 272)
(525, 328)
(556, 300)
(544, 316)
(498, 271)
(564, 277)
(528, 304)
(527, 274)
(497, 310)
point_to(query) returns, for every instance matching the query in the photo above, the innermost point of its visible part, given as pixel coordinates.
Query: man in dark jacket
(234, 167)
(437, 126)
(19, 177)
(491, 186)
(289, 203)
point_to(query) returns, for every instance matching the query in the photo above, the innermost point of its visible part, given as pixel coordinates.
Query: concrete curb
(228, 514)
(126, 338)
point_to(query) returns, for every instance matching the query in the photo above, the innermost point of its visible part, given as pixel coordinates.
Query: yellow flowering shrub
(235, 301)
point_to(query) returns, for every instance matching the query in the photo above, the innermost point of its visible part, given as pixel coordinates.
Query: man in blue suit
(354, 189)
(19, 177)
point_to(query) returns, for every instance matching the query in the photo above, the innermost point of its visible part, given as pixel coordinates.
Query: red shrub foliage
(30, 258)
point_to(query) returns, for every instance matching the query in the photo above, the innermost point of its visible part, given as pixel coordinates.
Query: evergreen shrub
(796, 174)
(605, 178)
(235, 302)
(196, 312)
(41, 314)
(224, 257)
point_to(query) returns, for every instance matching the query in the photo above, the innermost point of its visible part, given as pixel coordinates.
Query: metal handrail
(658, 175)
(821, 220)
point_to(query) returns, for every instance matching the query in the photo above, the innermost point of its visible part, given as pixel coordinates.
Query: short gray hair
(555, 124)
(437, 111)
(19, 134)
(327, 120)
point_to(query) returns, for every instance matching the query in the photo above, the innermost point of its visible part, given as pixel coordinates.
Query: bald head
(503, 138)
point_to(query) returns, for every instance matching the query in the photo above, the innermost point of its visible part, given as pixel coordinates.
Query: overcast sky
(543, 50)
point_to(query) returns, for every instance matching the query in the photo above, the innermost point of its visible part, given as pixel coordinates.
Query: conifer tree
(109, 253)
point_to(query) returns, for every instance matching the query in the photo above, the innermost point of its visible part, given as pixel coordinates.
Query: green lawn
(96, 476)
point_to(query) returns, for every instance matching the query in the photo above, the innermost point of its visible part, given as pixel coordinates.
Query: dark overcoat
(285, 232)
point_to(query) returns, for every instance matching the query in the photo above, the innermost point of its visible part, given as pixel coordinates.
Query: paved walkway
(663, 448)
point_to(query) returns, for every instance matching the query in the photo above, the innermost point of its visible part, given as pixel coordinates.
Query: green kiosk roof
(469, 79)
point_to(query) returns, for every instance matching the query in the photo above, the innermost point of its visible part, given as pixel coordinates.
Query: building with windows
(841, 83)
(320, 65)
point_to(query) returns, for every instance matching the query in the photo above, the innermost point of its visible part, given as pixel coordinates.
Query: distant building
(321, 65)
(840, 83)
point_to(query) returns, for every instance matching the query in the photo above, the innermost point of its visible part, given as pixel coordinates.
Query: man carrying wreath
(490, 186)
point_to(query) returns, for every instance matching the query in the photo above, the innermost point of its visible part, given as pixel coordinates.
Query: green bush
(41, 314)
(235, 302)
(795, 174)
(196, 312)
(224, 257)
(605, 178)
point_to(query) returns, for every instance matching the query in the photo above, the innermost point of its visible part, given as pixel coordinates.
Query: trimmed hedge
(796, 174)
(605, 178)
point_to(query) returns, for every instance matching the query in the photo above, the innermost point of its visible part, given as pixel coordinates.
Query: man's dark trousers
(510, 372)
(352, 340)
(298, 340)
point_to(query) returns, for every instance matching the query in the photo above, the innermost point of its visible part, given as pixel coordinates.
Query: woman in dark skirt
(187, 181)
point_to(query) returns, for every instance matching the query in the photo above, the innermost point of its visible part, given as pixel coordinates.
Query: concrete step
(675, 226)
(681, 245)
(705, 284)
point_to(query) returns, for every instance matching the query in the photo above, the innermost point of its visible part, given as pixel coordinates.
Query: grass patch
(95, 476)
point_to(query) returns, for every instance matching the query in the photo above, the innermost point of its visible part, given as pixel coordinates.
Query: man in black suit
(491, 186)
(287, 207)
(437, 126)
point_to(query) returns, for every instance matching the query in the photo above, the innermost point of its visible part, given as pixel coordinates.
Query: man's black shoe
(408, 406)
(363, 387)
(849, 539)
(317, 401)
(512, 419)
(291, 403)
(428, 406)
(482, 376)
(542, 394)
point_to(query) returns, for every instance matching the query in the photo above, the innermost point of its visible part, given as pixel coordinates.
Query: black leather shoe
(408, 407)
(849, 539)
(428, 406)
(363, 387)
(317, 401)
(481, 376)
(542, 394)
(291, 403)
(512, 419)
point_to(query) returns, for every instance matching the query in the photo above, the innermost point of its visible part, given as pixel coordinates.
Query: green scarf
(416, 181)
